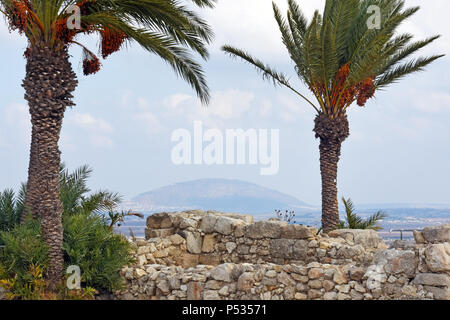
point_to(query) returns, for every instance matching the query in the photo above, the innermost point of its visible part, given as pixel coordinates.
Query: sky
(122, 124)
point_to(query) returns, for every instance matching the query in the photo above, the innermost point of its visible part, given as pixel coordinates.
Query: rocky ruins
(198, 255)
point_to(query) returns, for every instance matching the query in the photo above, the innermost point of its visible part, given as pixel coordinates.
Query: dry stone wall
(208, 255)
(212, 238)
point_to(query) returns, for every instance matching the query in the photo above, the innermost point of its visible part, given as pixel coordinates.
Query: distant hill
(217, 194)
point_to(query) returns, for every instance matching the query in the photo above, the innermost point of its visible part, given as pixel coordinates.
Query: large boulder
(438, 257)
(281, 248)
(264, 229)
(209, 242)
(193, 242)
(226, 225)
(439, 293)
(247, 218)
(223, 272)
(432, 279)
(245, 281)
(300, 250)
(159, 221)
(437, 234)
(187, 260)
(208, 222)
(367, 238)
(397, 261)
(158, 233)
(296, 231)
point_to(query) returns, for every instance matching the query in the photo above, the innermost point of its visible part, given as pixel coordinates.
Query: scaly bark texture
(331, 132)
(49, 83)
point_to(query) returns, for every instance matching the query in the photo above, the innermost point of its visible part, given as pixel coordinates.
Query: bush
(23, 261)
(24, 246)
(89, 241)
(100, 254)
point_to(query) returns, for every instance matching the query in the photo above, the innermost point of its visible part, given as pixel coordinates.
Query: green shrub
(100, 254)
(89, 240)
(23, 261)
(24, 246)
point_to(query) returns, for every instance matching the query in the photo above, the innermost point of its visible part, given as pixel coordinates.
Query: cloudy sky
(398, 150)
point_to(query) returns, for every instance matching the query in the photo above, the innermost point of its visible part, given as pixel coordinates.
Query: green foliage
(90, 244)
(338, 57)
(24, 246)
(11, 208)
(356, 222)
(26, 286)
(89, 240)
(23, 261)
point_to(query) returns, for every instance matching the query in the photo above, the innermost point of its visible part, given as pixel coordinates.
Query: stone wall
(197, 255)
(196, 237)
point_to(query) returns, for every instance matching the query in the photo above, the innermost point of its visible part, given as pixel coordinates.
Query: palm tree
(163, 27)
(341, 60)
(356, 222)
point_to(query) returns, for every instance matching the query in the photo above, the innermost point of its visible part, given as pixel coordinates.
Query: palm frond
(401, 71)
(353, 221)
(373, 220)
(266, 71)
(169, 29)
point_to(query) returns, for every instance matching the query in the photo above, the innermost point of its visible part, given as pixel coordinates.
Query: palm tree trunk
(32, 194)
(332, 132)
(49, 84)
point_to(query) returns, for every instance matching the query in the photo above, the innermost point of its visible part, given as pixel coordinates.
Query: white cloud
(87, 121)
(225, 106)
(17, 114)
(265, 108)
(17, 123)
(99, 130)
(413, 128)
(151, 122)
(431, 101)
(230, 104)
(293, 108)
(101, 141)
(174, 101)
(431, 19)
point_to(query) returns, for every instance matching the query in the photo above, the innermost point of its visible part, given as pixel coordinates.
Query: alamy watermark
(74, 20)
(231, 147)
(74, 280)
(374, 21)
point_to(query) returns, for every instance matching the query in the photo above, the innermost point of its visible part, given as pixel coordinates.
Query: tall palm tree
(166, 28)
(342, 59)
